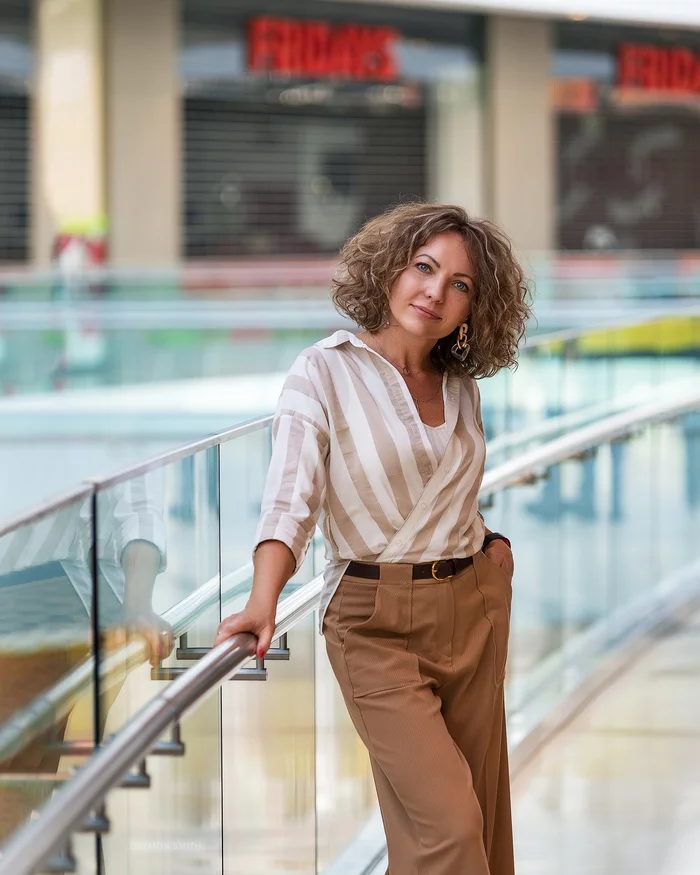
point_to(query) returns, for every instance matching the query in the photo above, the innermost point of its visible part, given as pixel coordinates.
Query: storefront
(15, 78)
(297, 129)
(627, 104)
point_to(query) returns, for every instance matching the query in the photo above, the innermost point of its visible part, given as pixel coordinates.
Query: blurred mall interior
(176, 180)
(217, 129)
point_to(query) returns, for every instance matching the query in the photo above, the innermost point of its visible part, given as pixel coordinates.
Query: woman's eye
(463, 287)
(421, 265)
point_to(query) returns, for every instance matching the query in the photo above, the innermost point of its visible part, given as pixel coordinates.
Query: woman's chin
(422, 328)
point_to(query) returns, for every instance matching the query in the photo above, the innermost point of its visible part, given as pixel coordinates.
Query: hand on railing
(274, 564)
(256, 618)
(141, 561)
(142, 624)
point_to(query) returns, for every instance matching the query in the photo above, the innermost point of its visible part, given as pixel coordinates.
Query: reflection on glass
(158, 545)
(46, 596)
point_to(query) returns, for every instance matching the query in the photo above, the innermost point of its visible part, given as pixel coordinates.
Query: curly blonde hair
(373, 258)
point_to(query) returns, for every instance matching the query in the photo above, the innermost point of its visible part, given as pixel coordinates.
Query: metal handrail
(31, 847)
(604, 431)
(576, 418)
(34, 843)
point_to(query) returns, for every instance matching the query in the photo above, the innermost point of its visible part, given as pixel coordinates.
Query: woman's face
(433, 294)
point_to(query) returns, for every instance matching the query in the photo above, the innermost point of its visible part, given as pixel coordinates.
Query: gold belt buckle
(432, 570)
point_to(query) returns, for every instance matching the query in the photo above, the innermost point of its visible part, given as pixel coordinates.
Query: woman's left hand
(143, 623)
(500, 553)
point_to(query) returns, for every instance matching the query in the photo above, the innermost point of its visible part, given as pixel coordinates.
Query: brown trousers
(421, 667)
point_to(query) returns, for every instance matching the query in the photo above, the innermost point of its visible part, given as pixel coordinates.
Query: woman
(379, 436)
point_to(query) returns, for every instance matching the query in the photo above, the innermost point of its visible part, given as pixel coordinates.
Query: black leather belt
(443, 569)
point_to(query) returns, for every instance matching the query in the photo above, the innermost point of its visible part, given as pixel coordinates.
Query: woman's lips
(427, 313)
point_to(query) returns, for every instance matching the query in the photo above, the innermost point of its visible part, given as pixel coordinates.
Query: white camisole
(438, 437)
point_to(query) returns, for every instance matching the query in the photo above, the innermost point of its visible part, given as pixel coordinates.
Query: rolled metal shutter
(293, 165)
(629, 180)
(627, 170)
(273, 181)
(16, 65)
(14, 178)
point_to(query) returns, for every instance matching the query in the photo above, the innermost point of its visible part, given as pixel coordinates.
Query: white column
(456, 145)
(143, 131)
(521, 134)
(68, 121)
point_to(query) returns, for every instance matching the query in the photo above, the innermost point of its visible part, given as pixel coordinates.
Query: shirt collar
(339, 338)
(344, 336)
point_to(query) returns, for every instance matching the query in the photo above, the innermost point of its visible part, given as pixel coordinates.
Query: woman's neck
(409, 354)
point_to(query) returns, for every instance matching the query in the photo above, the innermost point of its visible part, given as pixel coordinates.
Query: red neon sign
(655, 68)
(320, 50)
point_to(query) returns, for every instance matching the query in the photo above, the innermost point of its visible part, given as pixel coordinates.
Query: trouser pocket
(375, 638)
(495, 588)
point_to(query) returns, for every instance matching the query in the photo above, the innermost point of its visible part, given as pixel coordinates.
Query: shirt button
(399, 543)
(423, 504)
(447, 469)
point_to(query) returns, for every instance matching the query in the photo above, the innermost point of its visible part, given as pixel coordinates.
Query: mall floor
(618, 791)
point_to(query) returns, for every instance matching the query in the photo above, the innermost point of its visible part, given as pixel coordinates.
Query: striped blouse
(350, 452)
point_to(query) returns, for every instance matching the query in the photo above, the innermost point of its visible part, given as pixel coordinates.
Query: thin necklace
(407, 373)
(425, 400)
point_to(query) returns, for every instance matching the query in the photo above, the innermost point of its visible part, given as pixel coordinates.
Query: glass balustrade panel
(634, 559)
(585, 501)
(158, 537)
(46, 605)
(244, 465)
(677, 463)
(268, 728)
(495, 405)
(535, 387)
(530, 515)
(268, 755)
(347, 812)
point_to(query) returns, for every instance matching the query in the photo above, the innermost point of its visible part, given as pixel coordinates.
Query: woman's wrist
(263, 601)
(494, 536)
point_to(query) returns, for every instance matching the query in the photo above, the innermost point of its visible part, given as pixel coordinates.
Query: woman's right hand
(258, 620)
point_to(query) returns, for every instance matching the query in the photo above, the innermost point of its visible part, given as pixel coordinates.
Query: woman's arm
(487, 530)
(498, 551)
(294, 493)
(273, 564)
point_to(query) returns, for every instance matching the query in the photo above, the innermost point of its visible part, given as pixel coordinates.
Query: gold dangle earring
(461, 348)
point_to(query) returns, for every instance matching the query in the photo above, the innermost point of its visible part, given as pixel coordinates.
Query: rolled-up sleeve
(295, 488)
(138, 513)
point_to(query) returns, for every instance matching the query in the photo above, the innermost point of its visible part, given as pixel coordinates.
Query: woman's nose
(434, 290)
